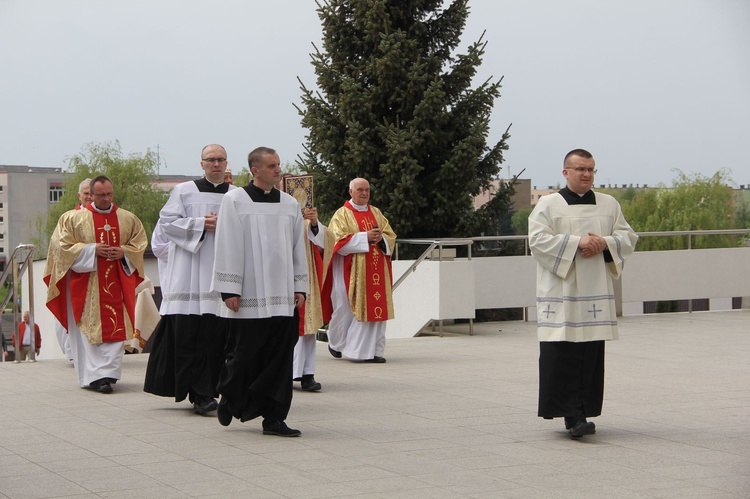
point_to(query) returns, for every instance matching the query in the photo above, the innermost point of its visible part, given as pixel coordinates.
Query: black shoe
(202, 405)
(376, 360)
(101, 385)
(222, 412)
(280, 429)
(582, 428)
(334, 352)
(309, 384)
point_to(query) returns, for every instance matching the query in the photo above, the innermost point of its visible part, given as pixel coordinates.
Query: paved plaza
(445, 417)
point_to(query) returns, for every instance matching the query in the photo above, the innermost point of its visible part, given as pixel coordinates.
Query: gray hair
(351, 184)
(83, 182)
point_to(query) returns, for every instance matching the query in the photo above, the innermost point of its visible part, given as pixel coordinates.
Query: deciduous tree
(131, 176)
(694, 202)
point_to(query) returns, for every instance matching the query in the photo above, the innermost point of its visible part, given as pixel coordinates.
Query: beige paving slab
(445, 417)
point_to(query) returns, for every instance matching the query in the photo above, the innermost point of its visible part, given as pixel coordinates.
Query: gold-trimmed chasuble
(102, 301)
(368, 275)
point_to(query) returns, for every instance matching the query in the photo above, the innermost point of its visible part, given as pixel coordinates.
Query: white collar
(108, 210)
(358, 207)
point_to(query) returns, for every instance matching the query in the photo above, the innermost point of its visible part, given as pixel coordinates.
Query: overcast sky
(646, 85)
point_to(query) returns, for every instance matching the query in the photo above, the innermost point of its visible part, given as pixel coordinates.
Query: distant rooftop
(29, 169)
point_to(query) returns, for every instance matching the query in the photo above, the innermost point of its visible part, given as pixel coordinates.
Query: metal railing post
(32, 323)
(18, 267)
(16, 335)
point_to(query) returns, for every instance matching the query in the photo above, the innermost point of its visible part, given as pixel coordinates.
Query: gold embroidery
(75, 229)
(141, 341)
(107, 231)
(368, 225)
(107, 284)
(313, 306)
(113, 320)
(344, 223)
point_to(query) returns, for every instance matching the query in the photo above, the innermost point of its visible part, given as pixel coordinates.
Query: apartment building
(26, 193)
(520, 199)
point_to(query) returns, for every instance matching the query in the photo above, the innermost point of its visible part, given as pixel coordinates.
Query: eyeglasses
(580, 169)
(214, 160)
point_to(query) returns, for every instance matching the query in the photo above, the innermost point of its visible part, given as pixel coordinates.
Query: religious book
(300, 187)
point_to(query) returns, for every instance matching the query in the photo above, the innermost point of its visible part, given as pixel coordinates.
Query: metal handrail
(691, 233)
(469, 241)
(516, 237)
(433, 243)
(18, 271)
(439, 243)
(695, 232)
(7, 270)
(525, 237)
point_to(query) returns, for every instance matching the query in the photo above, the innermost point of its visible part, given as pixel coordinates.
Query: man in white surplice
(160, 249)
(580, 241)
(188, 347)
(260, 269)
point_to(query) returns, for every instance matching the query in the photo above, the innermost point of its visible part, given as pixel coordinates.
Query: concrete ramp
(434, 291)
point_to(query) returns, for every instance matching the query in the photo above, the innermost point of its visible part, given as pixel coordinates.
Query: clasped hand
(210, 224)
(109, 252)
(591, 245)
(375, 235)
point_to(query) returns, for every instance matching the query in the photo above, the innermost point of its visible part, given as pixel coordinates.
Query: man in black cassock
(260, 269)
(188, 348)
(580, 241)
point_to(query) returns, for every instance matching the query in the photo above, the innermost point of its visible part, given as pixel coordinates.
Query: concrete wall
(510, 282)
(435, 291)
(683, 274)
(455, 289)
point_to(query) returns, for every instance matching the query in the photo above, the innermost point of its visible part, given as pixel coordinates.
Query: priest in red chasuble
(361, 277)
(84, 198)
(92, 273)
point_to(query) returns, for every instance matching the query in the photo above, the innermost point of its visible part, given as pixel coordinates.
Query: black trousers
(256, 379)
(186, 357)
(571, 379)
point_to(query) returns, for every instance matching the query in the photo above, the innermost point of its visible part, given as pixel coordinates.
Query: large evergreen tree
(396, 106)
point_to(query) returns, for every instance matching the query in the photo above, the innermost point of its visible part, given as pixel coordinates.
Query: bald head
(218, 146)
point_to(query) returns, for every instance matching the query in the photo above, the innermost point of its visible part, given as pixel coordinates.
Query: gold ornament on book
(300, 187)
